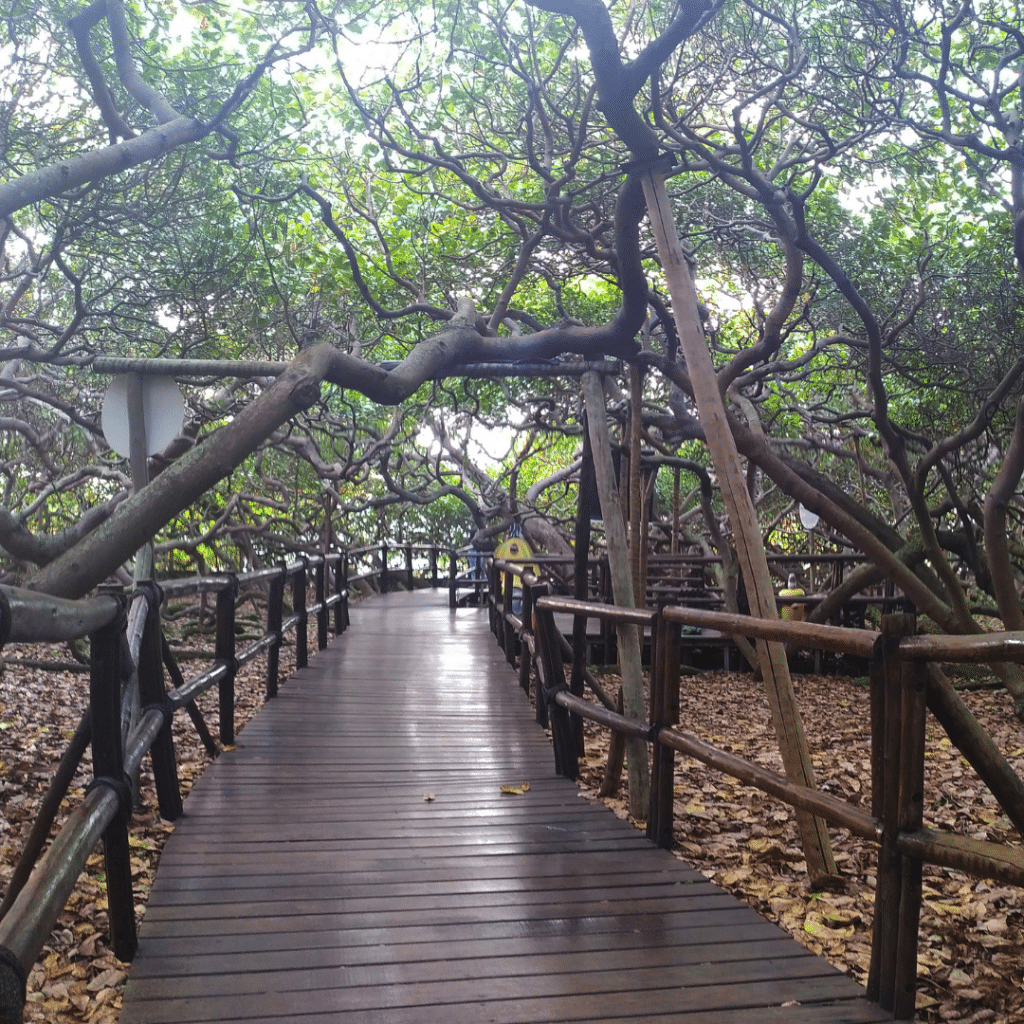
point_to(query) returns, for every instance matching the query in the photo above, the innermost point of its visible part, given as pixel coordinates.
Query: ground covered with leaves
(971, 957)
(77, 978)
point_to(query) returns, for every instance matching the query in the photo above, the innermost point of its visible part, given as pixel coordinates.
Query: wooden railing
(383, 567)
(128, 655)
(899, 684)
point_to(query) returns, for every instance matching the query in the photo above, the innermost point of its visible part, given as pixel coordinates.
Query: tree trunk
(622, 591)
(750, 548)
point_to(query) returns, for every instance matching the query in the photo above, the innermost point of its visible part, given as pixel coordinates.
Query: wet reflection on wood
(354, 859)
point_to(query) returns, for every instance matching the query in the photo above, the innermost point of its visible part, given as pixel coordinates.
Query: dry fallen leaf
(519, 790)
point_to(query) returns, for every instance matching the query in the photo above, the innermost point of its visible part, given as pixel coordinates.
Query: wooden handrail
(27, 616)
(898, 730)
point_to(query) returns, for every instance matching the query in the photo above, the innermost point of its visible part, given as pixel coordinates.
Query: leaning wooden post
(275, 620)
(225, 655)
(587, 498)
(635, 484)
(622, 590)
(177, 682)
(724, 454)
(153, 694)
(108, 769)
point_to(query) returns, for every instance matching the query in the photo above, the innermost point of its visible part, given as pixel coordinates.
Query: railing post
(433, 567)
(385, 580)
(892, 973)
(493, 598)
(108, 766)
(341, 590)
(225, 654)
(508, 643)
(524, 647)
(275, 619)
(319, 574)
(552, 679)
(299, 609)
(665, 675)
(408, 567)
(152, 693)
(909, 819)
(452, 574)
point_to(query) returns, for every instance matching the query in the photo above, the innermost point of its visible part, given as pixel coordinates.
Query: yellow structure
(793, 612)
(515, 549)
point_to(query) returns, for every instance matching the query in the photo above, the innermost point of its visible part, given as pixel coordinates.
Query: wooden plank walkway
(312, 881)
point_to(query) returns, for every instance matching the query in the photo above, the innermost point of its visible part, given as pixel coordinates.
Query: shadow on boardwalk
(354, 859)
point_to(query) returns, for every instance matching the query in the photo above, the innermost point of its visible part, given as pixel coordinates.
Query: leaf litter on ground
(971, 953)
(77, 978)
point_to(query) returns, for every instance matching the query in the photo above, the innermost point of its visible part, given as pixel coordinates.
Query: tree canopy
(430, 207)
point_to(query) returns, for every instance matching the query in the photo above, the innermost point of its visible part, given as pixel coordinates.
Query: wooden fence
(129, 714)
(898, 662)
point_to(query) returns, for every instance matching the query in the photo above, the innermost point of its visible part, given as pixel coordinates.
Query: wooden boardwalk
(354, 860)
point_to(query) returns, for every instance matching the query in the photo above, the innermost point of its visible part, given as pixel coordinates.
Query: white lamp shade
(808, 519)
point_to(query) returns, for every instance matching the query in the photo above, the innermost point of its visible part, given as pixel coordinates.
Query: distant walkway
(354, 860)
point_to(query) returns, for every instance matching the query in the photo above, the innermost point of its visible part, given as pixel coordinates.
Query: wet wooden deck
(354, 860)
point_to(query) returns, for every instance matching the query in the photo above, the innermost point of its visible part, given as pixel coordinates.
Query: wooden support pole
(138, 461)
(622, 591)
(508, 643)
(664, 712)
(320, 583)
(724, 454)
(341, 591)
(909, 819)
(563, 738)
(524, 647)
(887, 734)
